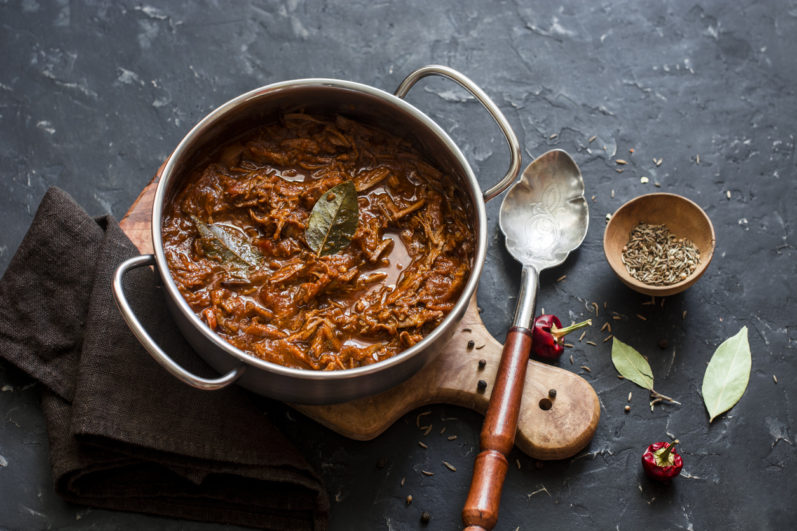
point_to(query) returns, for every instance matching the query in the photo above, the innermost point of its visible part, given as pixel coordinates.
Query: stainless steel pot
(326, 96)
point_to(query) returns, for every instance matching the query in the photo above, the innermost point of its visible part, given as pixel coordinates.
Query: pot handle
(147, 342)
(492, 108)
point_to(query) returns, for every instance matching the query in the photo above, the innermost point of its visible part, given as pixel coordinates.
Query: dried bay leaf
(227, 243)
(727, 374)
(631, 365)
(333, 220)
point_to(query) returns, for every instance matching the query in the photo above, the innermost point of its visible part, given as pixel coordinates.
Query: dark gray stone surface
(94, 95)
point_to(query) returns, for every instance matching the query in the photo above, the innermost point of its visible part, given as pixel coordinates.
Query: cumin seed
(449, 466)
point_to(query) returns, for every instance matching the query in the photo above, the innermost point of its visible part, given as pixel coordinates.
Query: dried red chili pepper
(548, 336)
(662, 462)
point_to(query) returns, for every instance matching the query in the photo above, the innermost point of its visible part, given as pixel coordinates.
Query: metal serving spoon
(544, 216)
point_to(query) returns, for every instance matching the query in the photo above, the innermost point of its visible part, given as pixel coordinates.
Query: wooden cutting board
(547, 429)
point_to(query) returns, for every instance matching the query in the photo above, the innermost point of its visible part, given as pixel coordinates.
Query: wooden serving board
(558, 432)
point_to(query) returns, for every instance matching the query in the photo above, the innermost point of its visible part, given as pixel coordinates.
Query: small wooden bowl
(684, 219)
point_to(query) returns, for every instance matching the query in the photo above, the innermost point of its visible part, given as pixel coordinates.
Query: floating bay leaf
(631, 365)
(727, 374)
(333, 221)
(227, 243)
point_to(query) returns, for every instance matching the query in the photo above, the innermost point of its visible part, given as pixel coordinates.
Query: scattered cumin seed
(616, 317)
(586, 368)
(697, 158)
(418, 418)
(728, 194)
(642, 317)
(569, 345)
(627, 409)
(582, 336)
(427, 473)
(452, 437)
(480, 346)
(620, 377)
(423, 445)
(657, 184)
(619, 170)
(517, 462)
(683, 316)
(591, 139)
(644, 180)
(621, 161)
(612, 194)
(408, 499)
(571, 359)
(595, 304)
(605, 325)
(403, 480)
(774, 378)
(425, 517)
(561, 278)
(554, 135)
(629, 396)
(466, 330)
(428, 430)
(658, 162)
(592, 343)
(607, 338)
(449, 466)
(442, 430)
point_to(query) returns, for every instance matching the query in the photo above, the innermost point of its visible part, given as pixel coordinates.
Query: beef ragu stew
(235, 242)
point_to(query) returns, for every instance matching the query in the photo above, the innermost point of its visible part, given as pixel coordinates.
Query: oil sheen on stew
(234, 238)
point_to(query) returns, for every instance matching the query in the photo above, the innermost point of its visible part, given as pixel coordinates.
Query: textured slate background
(94, 95)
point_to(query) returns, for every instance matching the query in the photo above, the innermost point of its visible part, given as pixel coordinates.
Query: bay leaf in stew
(228, 244)
(333, 221)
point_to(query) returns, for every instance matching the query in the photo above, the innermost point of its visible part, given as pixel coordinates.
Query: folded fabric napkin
(124, 434)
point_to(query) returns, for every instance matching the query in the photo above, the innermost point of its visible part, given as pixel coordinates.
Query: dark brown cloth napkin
(123, 433)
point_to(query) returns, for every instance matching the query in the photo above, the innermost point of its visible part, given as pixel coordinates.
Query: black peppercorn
(482, 364)
(663, 343)
(425, 517)
(471, 344)
(481, 386)
(552, 393)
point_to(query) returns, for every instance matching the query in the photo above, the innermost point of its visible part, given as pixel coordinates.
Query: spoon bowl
(545, 216)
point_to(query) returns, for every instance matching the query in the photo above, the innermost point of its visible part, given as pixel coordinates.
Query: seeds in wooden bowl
(656, 256)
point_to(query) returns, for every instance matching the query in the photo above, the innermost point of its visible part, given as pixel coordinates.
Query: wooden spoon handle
(498, 432)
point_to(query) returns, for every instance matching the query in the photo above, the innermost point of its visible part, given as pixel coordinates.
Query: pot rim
(212, 119)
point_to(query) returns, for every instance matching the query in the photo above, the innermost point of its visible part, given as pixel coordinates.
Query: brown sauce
(263, 290)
